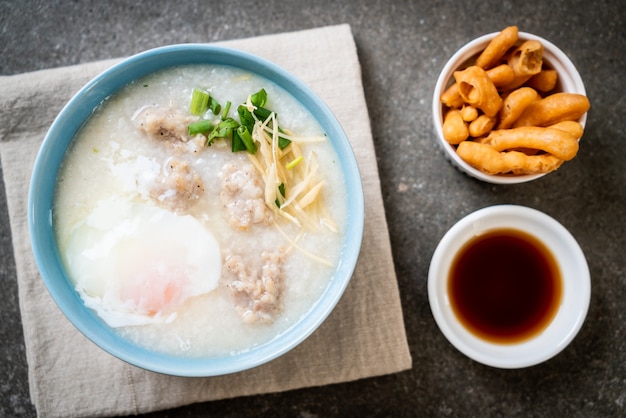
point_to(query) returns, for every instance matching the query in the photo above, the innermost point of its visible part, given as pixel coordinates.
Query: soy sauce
(505, 286)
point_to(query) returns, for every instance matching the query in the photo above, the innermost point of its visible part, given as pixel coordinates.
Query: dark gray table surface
(402, 46)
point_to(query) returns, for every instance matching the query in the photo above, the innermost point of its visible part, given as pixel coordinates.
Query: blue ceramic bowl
(42, 189)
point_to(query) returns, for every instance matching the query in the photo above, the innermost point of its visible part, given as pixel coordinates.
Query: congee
(200, 211)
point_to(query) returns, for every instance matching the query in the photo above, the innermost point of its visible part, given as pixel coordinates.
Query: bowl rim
(41, 192)
(552, 54)
(575, 276)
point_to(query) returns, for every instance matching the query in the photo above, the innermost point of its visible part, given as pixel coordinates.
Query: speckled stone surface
(402, 46)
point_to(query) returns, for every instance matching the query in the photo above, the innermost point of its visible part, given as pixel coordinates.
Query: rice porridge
(200, 211)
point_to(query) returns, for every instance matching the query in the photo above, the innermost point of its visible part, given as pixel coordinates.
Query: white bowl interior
(569, 81)
(575, 297)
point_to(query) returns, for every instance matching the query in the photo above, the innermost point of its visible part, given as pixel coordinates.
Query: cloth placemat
(363, 337)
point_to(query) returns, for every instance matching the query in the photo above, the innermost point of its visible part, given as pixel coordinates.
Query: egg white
(136, 263)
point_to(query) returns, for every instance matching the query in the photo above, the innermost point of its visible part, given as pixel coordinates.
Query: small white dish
(569, 81)
(576, 287)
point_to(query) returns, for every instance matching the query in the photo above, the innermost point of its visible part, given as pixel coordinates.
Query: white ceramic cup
(576, 287)
(569, 81)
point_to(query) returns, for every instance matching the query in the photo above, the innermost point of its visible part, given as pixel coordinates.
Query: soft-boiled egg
(136, 263)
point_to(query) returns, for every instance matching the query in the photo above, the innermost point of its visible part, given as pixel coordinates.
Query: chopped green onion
(262, 113)
(215, 106)
(226, 110)
(199, 102)
(200, 127)
(224, 129)
(281, 190)
(246, 138)
(294, 163)
(283, 142)
(246, 117)
(259, 98)
(237, 144)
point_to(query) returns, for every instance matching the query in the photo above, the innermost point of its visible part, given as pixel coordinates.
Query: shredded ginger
(292, 184)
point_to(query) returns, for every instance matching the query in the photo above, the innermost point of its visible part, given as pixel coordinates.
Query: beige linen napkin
(363, 337)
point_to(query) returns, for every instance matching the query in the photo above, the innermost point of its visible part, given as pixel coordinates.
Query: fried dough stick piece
(488, 160)
(544, 81)
(498, 46)
(514, 105)
(526, 61)
(477, 89)
(499, 76)
(455, 129)
(557, 142)
(552, 109)
(573, 127)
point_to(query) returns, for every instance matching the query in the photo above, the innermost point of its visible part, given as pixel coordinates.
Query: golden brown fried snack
(488, 160)
(573, 127)
(514, 104)
(478, 90)
(498, 46)
(454, 127)
(552, 109)
(526, 60)
(501, 75)
(451, 97)
(557, 142)
(544, 81)
(469, 113)
(482, 125)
